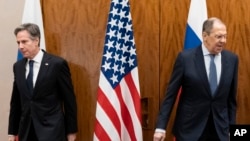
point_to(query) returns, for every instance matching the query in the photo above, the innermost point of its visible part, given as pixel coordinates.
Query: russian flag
(196, 16)
(32, 14)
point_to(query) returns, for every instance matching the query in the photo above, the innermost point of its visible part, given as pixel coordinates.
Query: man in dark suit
(44, 110)
(203, 113)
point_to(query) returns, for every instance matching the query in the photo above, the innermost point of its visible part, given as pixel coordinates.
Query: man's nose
(20, 45)
(224, 40)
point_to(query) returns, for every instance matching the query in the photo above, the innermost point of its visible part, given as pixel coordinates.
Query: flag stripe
(130, 97)
(106, 124)
(100, 132)
(126, 117)
(32, 14)
(196, 16)
(109, 109)
(136, 96)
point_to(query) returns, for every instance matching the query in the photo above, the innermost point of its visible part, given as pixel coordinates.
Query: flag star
(113, 22)
(116, 57)
(124, 3)
(120, 25)
(114, 11)
(106, 66)
(115, 2)
(129, 27)
(123, 59)
(131, 62)
(114, 78)
(118, 46)
(115, 68)
(122, 70)
(132, 51)
(108, 55)
(124, 49)
(119, 35)
(110, 44)
(122, 13)
(111, 33)
(126, 37)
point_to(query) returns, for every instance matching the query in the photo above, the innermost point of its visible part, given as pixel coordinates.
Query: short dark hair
(208, 24)
(31, 28)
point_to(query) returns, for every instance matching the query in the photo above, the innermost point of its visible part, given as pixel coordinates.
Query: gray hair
(208, 24)
(31, 28)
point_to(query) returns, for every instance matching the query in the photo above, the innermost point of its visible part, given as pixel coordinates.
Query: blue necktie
(212, 75)
(30, 77)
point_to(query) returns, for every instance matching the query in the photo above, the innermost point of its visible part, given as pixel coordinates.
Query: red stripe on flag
(109, 110)
(135, 95)
(100, 132)
(126, 117)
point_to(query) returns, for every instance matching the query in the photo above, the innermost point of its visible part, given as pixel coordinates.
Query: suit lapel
(224, 69)
(200, 66)
(199, 61)
(42, 71)
(22, 81)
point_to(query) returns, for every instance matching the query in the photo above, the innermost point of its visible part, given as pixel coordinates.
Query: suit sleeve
(232, 102)
(171, 93)
(15, 110)
(69, 100)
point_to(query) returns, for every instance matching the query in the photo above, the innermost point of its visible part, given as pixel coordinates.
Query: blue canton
(119, 56)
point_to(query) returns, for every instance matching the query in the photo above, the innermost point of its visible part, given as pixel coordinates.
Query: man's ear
(37, 41)
(204, 34)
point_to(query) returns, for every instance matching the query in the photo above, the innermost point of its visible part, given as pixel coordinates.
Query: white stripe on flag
(105, 122)
(111, 95)
(32, 13)
(127, 97)
(196, 16)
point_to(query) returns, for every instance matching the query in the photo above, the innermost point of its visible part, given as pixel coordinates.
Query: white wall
(10, 17)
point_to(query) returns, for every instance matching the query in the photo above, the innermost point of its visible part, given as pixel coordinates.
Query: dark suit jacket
(196, 102)
(51, 107)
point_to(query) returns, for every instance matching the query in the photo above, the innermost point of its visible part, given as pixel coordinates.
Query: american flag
(118, 115)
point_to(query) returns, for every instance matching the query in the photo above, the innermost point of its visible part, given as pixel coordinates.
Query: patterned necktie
(212, 75)
(30, 77)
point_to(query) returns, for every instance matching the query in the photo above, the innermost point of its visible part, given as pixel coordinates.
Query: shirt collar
(39, 56)
(206, 52)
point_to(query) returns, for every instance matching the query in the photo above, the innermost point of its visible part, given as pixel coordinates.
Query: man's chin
(25, 56)
(218, 50)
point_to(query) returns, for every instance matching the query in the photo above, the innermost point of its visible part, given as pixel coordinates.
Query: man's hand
(11, 138)
(159, 136)
(71, 137)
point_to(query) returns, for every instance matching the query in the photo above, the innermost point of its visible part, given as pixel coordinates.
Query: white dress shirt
(217, 61)
(36, 66)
